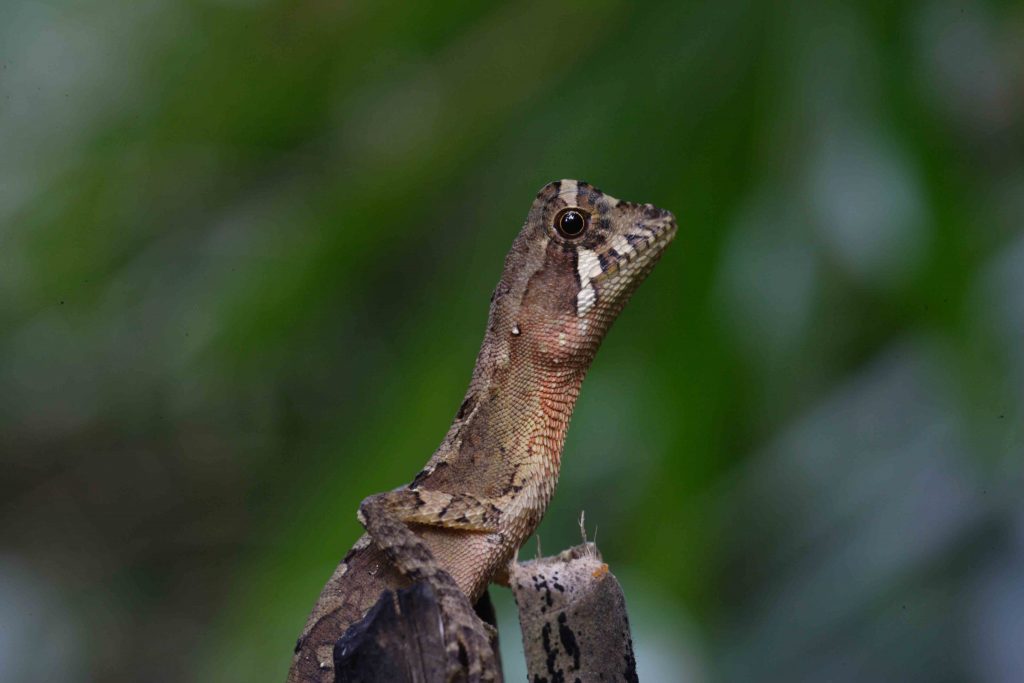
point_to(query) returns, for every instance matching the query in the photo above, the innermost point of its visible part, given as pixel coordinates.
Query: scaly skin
(484, 491)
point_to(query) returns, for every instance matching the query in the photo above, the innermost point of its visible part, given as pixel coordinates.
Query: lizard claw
(470, 655)
(468, 642)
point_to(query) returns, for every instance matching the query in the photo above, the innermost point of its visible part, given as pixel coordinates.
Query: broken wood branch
(572, 613)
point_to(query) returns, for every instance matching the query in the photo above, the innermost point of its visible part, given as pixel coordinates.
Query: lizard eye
(570, 223)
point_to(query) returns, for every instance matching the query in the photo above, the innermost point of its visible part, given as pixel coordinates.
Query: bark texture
(572, 613)
(400, 640)
(573, 616)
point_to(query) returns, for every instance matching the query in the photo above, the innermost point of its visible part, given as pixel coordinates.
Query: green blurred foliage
(246, 250)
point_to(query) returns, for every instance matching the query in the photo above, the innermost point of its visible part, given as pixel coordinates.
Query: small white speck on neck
(515, 330)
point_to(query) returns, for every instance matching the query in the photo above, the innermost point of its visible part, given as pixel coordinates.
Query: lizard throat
(507, 438)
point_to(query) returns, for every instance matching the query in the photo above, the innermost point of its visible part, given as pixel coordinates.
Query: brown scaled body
(578, 258)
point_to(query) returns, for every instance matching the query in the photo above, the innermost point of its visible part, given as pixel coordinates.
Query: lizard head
(579, 257)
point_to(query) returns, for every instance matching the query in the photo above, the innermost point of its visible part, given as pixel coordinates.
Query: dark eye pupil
(571, 223)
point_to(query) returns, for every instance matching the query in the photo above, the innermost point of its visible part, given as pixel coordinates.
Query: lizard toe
(471, 656)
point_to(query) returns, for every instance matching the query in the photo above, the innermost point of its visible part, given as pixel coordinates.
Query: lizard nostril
(651, 211)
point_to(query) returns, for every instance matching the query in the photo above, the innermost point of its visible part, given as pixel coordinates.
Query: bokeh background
(246, 250)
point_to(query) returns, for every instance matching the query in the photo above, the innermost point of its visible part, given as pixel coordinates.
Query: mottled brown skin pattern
(484, 491)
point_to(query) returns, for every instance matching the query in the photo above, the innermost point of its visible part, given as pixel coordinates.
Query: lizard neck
(507, 437)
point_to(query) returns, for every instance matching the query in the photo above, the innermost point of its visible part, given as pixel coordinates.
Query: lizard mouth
(609, 271)
(640, 247)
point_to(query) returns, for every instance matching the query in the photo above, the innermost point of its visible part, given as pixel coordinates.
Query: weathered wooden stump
(573, 616)
(400, 640)
(571, 611)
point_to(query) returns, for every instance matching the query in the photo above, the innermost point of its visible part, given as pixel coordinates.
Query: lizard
(575, 263)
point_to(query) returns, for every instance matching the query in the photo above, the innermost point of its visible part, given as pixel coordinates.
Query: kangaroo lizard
(458, 524)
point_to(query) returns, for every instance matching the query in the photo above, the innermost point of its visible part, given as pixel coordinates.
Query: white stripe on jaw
(586, 299)
(588, 266)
